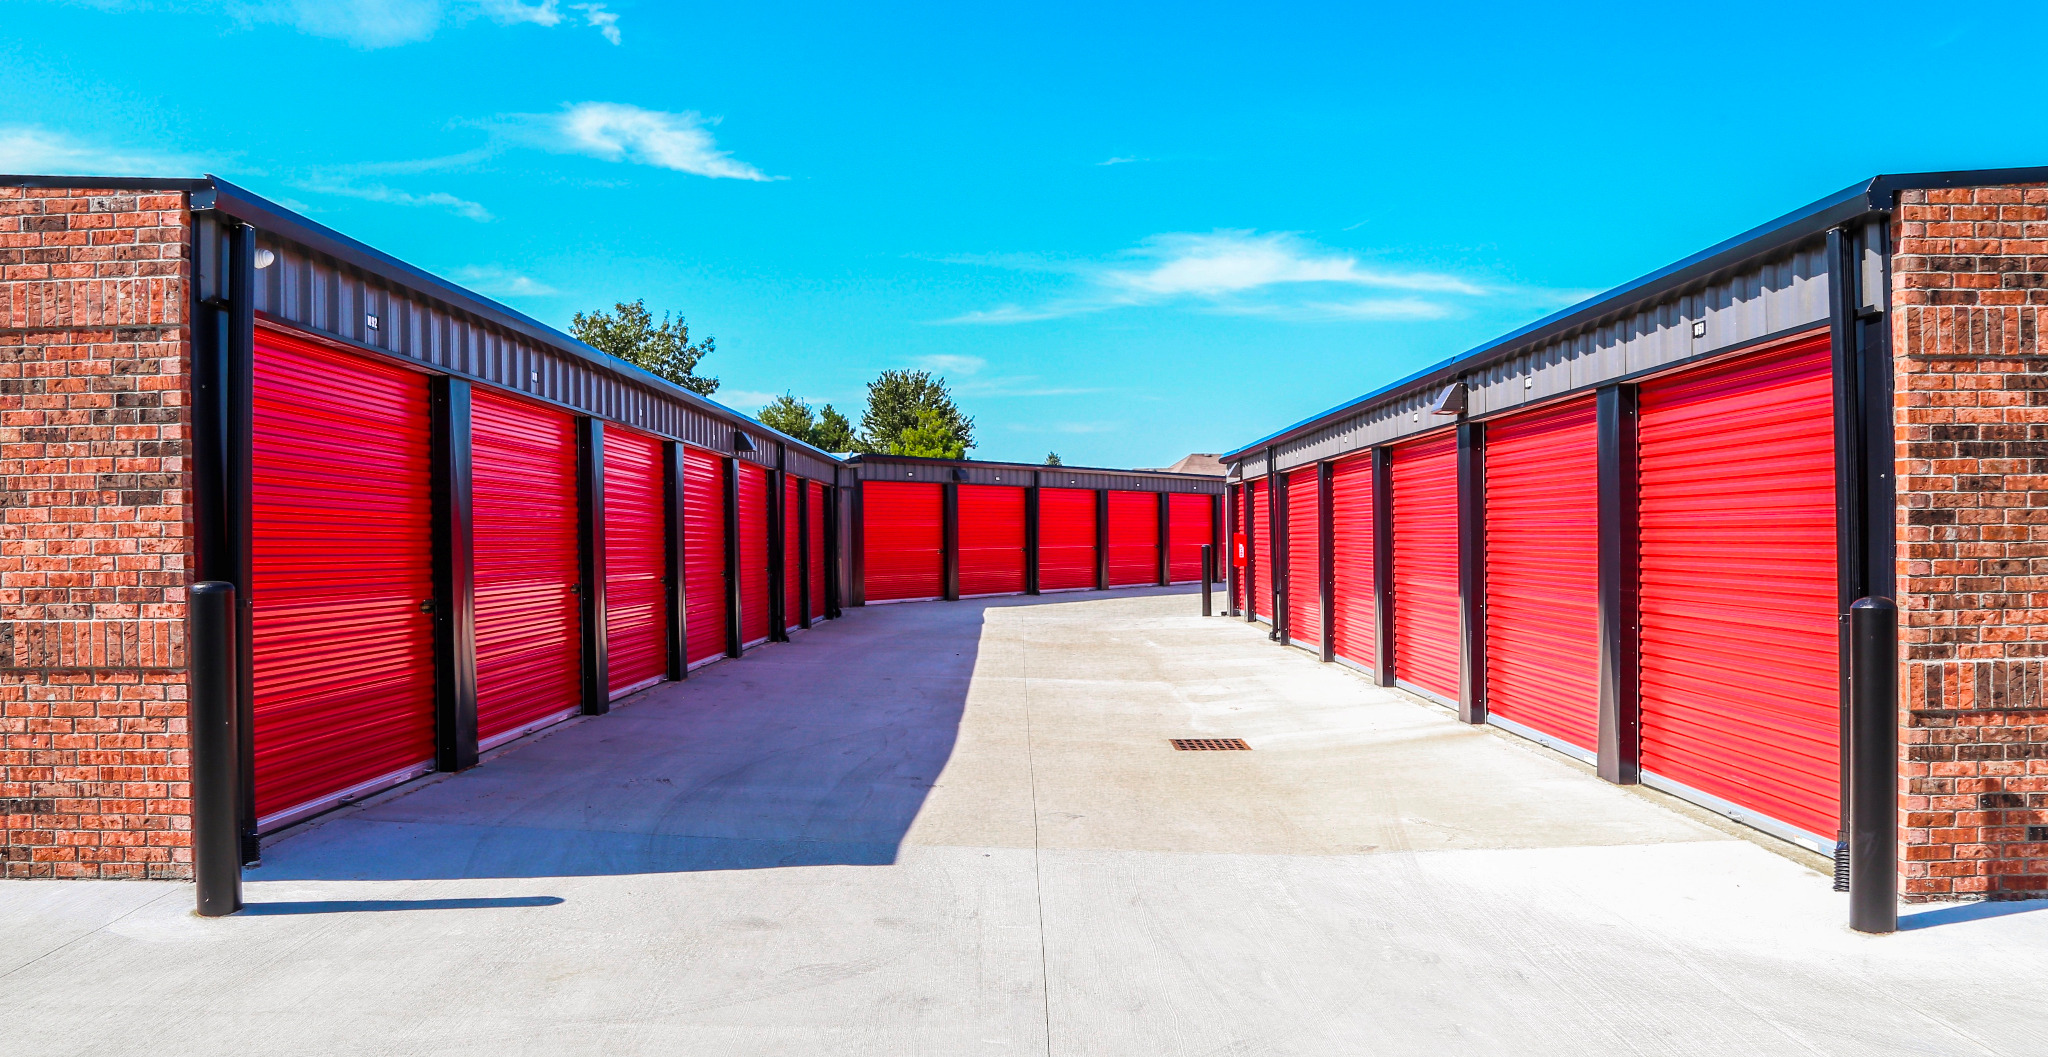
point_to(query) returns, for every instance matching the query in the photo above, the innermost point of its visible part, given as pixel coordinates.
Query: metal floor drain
(1209, 744)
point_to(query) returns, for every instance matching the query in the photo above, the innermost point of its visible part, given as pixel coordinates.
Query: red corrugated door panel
(1188, 530)
(341, 544)
(704, 586)
(793, 554)
(523, 503)
(635, 561)
(1543, 572)
(1738, 655)
(1351, 559)
(1426, 564)
(817, 520)
(1235, 514)
(1304, 559)
(1133, 539)
(1066, 539)
(1261, 604)
(903, 540)
(991, 539)
(753, 528)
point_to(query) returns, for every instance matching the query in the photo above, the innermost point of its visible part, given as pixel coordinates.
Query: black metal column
(1102, 539)
(834, 559)
(1874, 767)
(949, 539)
(1031, 537)
(211, 679)
(1276, 577)
(1165, 538)
(1326, 560)
(677, 578)
(778, 549)
(1219, 534)
(454, 601)
(1620, 702)
(1383, 615)
(1232, 525)
(732, 558)
(1251, 553)
(803, 554)
(857, 529)
(590, 524)
(1472, 572)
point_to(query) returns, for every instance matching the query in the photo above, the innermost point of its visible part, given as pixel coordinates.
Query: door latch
(426, 605)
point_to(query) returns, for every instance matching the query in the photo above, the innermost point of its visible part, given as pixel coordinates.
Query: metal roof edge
(266, 215)
(925, 460)
(110, 183)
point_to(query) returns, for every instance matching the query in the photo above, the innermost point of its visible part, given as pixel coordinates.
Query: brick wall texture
(1969, 297)
(95, 539)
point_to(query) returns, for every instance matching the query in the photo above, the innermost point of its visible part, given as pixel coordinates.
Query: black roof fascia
(1877, 194)
(268, 216)
(110, 183)
(924, 460)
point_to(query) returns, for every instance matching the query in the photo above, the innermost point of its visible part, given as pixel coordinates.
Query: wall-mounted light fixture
(264, 259)
(1451, 401)
(742, 442)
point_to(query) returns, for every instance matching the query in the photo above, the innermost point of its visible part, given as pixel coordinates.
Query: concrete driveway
(959, 828)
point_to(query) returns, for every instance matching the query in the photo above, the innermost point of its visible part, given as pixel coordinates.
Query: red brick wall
(95, 538)
(1970, 295)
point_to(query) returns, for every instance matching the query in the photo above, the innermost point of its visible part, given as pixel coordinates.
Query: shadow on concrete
(378, 906)
(814, 753)
(1927, 919)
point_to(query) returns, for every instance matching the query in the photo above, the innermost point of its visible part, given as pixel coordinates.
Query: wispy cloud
(953, 364)
(390, 23)
(745, 399)
(30, 149)
(1120, 161)
(622, 132)
(499, 282)
(1236, 272)
(376, 192)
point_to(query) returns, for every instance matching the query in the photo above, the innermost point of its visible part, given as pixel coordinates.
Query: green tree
(1052, 458)
(823, 428)
(933, 437)
(834, 432)
(630, 333)
(898, 402)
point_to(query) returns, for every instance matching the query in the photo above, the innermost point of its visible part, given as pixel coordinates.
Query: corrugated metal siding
(793, 555)
(635, 560)
(704, 589)
(1261, 603)
(1426, 564)
(528, 627)
(1543, 572)
(1739, 608)
(1188, 530)
(753, 529)
(1066, 539)
(1351, 560)
(903, 536)
(1777, 296)
(991, 539)
(1133, 539)
(341, 545)
(817, 521)
(884, 468)
(1304, 558)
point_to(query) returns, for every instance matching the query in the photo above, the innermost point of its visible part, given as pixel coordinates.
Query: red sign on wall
(1237, 549)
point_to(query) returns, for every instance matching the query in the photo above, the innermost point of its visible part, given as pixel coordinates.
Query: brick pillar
(1970, 295)
(95, 533)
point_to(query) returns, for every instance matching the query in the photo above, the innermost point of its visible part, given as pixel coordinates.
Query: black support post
(212, 676)
(1208, 555)
(834, 560)
(803, 554)
(778, 549)
(1620, 704)
(1219, 533)
(590, 523)
(1031, 537)
(454, 601)
(1165, 538)
(1874, 767)
(677, 574)
(1383, 615)
(1102, 539)
(949, 539)
(1232, 525)
(1472, 572)
(857, 530)
(732, 558)
(1326, 560)
(1276, 577)
(1251, 553)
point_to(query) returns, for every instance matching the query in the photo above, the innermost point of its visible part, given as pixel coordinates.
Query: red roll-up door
(341, 543)
(1261, 604)
(903, 540)
(991, 540)
(1235, 514)
(1352, 592)
(1066, 539)
(1738, 586)
(1426, 564)
(1188, 530)
(753, 528)
(635, 561)
(704, 587)
(523, 504)
(1133, 539)
(1543, 572)
(817, 520)
(1304, 560)
(793, 553)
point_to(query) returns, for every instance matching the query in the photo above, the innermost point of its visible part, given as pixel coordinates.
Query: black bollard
(1208, 573)
(214, 750)
(1873, 766)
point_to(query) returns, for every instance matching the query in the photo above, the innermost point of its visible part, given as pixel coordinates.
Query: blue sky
(1123, 232)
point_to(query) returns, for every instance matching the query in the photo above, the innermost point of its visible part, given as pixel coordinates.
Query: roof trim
(855, 460)
(1876, 195)
(110, 183)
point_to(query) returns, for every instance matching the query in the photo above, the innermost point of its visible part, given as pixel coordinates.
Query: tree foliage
(630, 333)
(822, 427)
(913, 409)
(1052, 458)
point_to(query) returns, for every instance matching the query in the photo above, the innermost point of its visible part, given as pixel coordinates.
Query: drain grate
(1210, 744)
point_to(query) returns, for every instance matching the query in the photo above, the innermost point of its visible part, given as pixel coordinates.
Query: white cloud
(512, 12)
(29, 150)
(390, 23)
(953, 364)
(595, 15)
(380, 193)
(622, 132)
(745, 399)
(1121, 161)
(497, 282)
